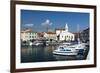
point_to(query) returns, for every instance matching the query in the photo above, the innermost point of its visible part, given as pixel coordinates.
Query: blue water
(44, 54)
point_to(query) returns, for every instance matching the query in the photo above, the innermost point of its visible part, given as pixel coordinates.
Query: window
(71, 37)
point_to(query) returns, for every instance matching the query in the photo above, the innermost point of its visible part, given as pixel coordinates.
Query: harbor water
(45, 54)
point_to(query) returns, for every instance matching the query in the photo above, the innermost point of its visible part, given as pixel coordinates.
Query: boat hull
(65, 53)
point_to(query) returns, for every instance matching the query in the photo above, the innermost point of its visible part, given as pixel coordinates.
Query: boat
(36, 43)
(70, 50)
(66, 43)
(65, 50)
(30, 43)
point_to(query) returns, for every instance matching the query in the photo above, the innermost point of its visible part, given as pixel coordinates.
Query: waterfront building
(28, 35)
(76, 36)
(50, 35)
(64, 34)
(84, 35)
(40, 34)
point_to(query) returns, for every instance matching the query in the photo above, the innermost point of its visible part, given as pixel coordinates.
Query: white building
(27, 35)
(58, 31)
(64, 34)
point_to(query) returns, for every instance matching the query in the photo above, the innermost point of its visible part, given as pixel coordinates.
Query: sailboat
(71, 49)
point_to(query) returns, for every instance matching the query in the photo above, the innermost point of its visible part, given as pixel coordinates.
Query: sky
(39, 20)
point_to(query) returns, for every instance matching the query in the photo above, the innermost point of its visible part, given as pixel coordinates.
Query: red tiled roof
(27, 30)
(51, 33)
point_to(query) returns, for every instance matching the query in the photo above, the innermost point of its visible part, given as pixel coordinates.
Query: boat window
(67, 50)
(61, 48)
(72, 47)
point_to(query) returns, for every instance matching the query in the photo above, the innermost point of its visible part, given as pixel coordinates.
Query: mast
(78, 33)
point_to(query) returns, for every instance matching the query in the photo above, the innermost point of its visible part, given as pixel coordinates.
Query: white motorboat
(65, 51)
(69, 50)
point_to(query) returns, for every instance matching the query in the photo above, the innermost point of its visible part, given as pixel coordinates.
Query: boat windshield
(72, 46)
(61, 47)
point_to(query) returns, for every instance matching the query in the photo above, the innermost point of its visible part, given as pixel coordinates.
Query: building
(76, 36)
(64, 34)
(58, 31)
(50, 35)
(84, 35)
(28, 35)
(40, 34)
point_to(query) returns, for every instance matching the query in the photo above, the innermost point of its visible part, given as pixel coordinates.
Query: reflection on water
(42, 54)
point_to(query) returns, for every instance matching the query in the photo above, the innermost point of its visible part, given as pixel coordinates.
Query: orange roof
(51, 33)
(27, 30)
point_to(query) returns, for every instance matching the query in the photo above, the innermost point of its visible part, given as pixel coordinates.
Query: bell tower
(66, 27)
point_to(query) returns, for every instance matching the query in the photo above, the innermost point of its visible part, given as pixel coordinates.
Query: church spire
(66, 27)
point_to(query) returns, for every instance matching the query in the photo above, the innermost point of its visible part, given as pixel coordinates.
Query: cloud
(47, 22)
(29, 25)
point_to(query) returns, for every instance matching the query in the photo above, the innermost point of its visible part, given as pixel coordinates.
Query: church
(64, 34)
